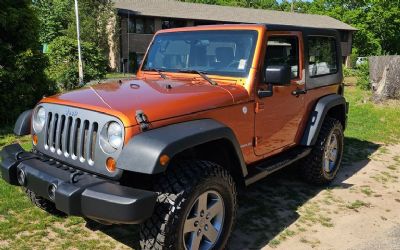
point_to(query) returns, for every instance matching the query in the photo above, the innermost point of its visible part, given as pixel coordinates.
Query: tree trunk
(385, 77)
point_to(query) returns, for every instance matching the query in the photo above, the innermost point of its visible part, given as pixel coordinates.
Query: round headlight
(111, 137)
(114, 134)
(39, 119)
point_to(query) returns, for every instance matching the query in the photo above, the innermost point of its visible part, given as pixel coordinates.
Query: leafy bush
(348, 72)
(363, 76)
(23, 81)
(63, 55)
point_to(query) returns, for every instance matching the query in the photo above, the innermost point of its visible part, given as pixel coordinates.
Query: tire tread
(173, 189)
(310, 166)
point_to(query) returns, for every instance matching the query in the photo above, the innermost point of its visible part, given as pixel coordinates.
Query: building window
(131, 25)
(141, 25)
(173, 23)
(149, 26)
(322, 56)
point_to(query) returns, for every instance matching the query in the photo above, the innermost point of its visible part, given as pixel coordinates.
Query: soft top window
(283, 50)
(322, 59)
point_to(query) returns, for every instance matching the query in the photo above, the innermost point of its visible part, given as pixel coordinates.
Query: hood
(158, 99)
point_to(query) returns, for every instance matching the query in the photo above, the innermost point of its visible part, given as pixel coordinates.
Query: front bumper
(75, 192)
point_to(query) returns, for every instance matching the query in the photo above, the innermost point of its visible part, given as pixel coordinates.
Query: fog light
(52, 191)
(111, 164)
(21, 177)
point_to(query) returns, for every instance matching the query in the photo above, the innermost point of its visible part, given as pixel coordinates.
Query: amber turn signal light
(164, 160)
(111, 164)
(35, 139)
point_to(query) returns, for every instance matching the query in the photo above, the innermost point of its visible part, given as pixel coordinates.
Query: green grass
(371, 122)
(118, 75)
(369, 125)
(367, 191)
(357, 205)
(6, 138)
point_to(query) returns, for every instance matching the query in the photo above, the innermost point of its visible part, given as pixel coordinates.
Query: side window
(140, 25)
(322, 56)
(283, 50)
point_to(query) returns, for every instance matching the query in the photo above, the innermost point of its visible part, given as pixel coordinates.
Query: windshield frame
(254, 32)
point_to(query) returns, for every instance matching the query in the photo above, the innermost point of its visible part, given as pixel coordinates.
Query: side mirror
(278, 75)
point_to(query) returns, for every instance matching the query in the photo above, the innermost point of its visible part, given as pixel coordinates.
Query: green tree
(58, 29)
(383, 20)
(54, 18)
(63, 69)
(22, 78)
(95, 16)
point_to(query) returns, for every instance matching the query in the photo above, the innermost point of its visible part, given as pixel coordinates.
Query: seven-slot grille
(73, 137)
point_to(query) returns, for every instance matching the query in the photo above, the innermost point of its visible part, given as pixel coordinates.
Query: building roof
(196, 11)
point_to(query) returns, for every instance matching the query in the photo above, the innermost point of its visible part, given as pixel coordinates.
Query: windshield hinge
(142, 120)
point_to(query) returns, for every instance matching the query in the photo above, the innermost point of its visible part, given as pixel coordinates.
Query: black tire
(178, 190)
(312, 167)
(44, 204)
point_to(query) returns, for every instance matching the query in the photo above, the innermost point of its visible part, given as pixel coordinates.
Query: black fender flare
(317, 117)
(142, 153)
(23, 124)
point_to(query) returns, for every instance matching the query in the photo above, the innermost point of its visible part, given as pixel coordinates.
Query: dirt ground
(360, 210)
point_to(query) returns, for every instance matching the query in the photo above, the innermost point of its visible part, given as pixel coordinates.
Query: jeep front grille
(72, 137)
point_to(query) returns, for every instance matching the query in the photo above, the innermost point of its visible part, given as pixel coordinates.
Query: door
(279, 117)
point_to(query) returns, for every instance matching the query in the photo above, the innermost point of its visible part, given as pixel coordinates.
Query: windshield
(220, 52)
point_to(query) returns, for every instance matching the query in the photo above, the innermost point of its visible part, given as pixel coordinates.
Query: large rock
(384, 74)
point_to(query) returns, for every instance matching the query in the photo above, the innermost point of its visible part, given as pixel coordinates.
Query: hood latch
(142, 120)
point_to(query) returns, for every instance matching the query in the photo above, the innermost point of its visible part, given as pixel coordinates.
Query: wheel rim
(331, 153)
(204, 223)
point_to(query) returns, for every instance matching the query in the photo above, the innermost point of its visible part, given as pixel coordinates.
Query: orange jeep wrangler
(212, 108)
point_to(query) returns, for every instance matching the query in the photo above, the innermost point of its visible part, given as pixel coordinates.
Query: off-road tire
(311, 167)
(177, 189)
(44, 204)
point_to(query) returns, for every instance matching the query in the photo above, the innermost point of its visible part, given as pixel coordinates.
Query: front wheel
(196, 208)
(322, 164)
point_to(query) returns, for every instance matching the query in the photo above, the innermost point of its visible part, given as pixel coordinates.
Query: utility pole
(80, 65)
(292, 6)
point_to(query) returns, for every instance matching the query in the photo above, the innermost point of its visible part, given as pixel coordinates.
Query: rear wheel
(196, 208)
(322, 164)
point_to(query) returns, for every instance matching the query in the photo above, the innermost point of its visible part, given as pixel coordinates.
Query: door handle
(298, 92)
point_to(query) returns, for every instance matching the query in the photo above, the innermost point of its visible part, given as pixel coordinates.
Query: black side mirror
(278, 75)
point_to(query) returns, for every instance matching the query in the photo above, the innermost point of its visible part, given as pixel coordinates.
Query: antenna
(80, 65)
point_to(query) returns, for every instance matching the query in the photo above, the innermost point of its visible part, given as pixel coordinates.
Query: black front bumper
(76, 192)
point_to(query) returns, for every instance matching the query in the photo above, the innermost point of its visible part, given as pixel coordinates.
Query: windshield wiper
(159, 71)
(202, 74)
